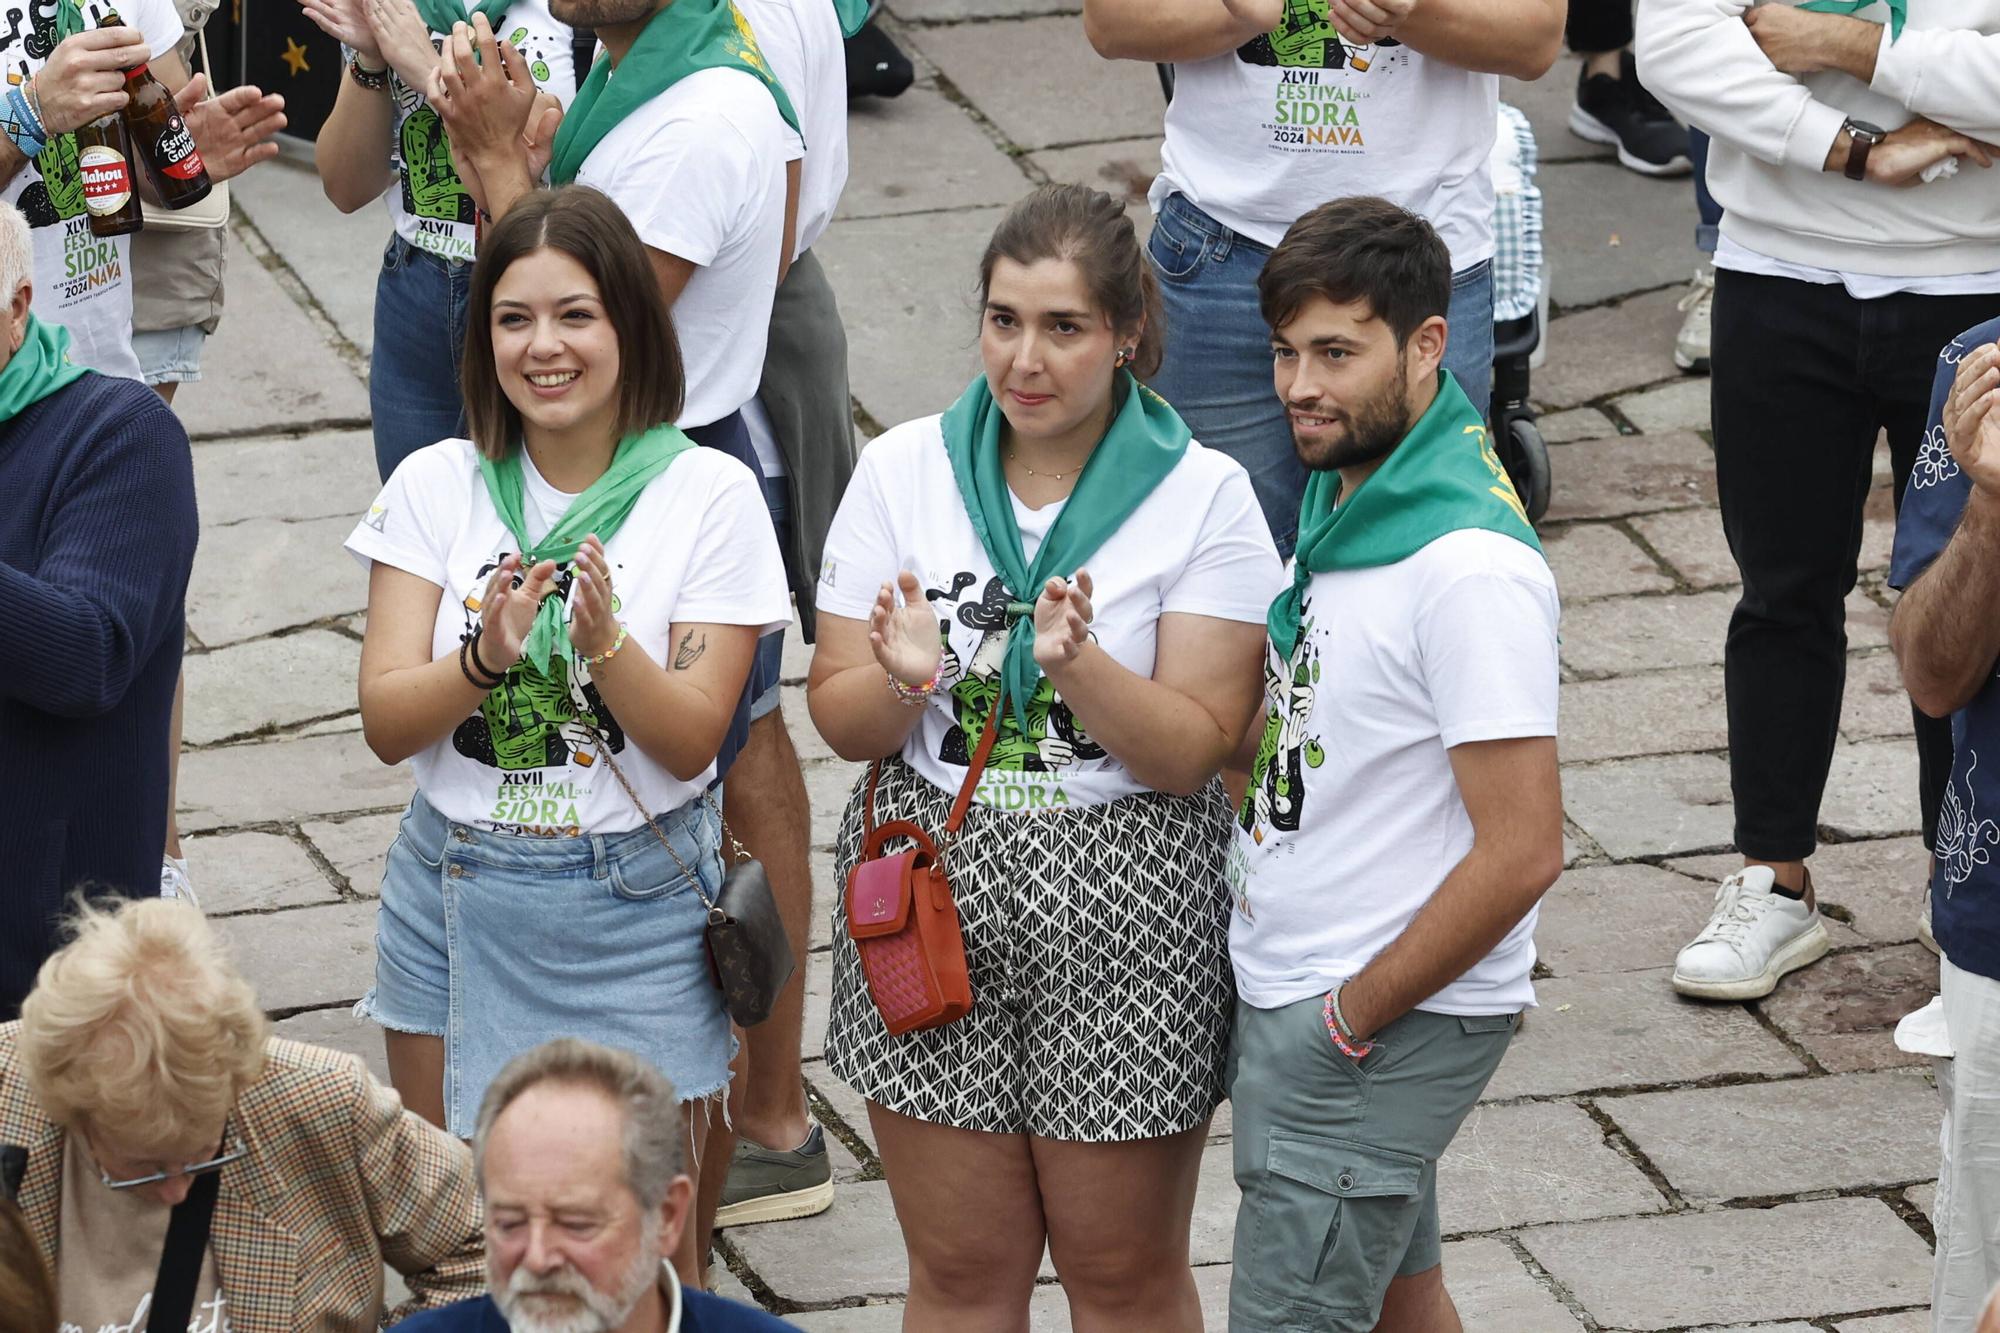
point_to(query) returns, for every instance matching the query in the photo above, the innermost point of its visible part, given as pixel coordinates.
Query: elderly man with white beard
(578, 1149)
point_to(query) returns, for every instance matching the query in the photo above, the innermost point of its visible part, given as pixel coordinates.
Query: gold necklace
(1052, 476)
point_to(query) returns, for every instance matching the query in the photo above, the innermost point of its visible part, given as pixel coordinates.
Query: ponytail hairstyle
(1089, 229)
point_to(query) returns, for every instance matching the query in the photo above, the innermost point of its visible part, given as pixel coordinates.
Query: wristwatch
(374, 80)
(1861, 138)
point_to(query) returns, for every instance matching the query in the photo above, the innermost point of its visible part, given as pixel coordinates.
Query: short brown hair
(653, 1122)
(585, 225)
(1089, 229)
(1360, 249)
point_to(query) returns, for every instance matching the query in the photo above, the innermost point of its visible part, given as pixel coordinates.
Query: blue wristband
(21, 126)
(25, 93)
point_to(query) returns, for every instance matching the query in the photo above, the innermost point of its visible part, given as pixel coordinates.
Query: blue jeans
(1708, 231)
(413, 391)
(1217, 371)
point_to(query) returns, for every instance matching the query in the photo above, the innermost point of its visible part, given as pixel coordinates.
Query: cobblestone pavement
(1640, 1163)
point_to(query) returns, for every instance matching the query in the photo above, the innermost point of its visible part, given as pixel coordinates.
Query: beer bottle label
(177, 155)
(107, 179)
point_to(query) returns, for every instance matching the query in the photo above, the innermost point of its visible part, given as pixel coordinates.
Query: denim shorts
(1337, 1158)
(170, 356)
(498, 942)
(1217, 371)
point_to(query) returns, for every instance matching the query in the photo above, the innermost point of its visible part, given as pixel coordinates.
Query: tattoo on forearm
(689, 652)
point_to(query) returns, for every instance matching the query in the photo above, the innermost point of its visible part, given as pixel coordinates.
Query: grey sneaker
(768, 1185)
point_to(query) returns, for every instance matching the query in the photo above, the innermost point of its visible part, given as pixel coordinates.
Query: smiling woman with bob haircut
(561, 617)
(1053, 556)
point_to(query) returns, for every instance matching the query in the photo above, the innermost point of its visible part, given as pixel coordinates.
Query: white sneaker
(174, 881)
(1753, 937)
(1698, 304)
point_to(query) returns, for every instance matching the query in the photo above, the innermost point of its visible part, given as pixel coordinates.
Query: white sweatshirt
(1772, 133)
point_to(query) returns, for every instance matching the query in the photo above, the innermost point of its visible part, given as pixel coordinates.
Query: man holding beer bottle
(52, 117)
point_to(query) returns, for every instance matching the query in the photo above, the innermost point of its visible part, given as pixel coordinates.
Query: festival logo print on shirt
(536, 731)
(211, 1316)
(1318, 104)
(1024, 772)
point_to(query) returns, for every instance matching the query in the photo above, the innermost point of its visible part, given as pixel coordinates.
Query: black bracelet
(374, 80)
(498, 676)
(485, 686)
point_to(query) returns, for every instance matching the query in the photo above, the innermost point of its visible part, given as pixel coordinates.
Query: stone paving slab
(272, 951)
(1799, 1259)
(1514, 1166)
(1603, 247)
(254, 872)
(1546, 102)
(309, 383)
(1923, 1198)
(328, 249)
(1875, 705)
(915, 357)
(829, 783)
(1682, 708)
(852, 1249)
(1631, 474)
(954, 11)
(1682, 405)
(1630, 918)
(1626, 634)
(1629, 1029)
(1908, 1321)
(279, 780)
(256, 577)
(1860, 1135)
(239, 479)
(266, 684)
(921, 153)
(1609, 350)
(1880, 884)
(1692, 541)
(1652, 807)
(340, 1029)
(1843, 1010)
(1592, 560)
(1495, 1293)
(1872, 790)
(357, 848)
(1123, 169)
(1101, 99)
(1574, 424)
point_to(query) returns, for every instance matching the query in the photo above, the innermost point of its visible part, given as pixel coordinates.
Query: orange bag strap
(972, 775)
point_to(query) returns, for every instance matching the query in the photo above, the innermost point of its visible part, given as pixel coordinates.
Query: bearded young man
(579, 1157)
(1405, 814)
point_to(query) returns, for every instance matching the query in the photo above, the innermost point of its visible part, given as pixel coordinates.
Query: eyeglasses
(234, 1151)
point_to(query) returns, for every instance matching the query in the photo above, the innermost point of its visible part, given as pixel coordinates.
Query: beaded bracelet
(916, 696)
(612, 651)
(1336, 1027)
(31, 101)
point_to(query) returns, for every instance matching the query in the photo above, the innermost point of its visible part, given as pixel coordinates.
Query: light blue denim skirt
(498, 942)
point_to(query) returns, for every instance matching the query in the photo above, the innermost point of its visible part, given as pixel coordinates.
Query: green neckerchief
(853, 15)
(69, 20)
(1443, 477)
(685, 37)
(440, 15)
(1144, 442)
(602, 509)
(37, 369)
(1898, 10)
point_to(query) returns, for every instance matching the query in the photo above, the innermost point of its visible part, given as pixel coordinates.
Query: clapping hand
(905, 637)
(233, 132)
(403, 39)
(1365, 21)
(346, 21)
(1970, 427)
(1062, 621)
(482, 89)
(593, 621)
(507, 612)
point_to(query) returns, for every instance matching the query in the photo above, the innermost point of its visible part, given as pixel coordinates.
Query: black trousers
(1598, 25)
(1805, 378)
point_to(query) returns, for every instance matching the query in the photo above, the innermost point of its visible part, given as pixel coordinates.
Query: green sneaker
(767, 1185)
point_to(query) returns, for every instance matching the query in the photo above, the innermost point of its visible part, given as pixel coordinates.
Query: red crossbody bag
(901, 915)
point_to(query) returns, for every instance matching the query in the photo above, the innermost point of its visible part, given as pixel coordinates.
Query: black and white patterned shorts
(1098, 943)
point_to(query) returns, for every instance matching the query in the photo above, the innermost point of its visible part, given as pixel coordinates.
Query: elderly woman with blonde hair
(149, 1093)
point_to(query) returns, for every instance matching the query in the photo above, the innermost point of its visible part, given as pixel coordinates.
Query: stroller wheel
(1528, 465)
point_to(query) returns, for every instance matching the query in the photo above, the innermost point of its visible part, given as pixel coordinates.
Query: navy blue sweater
(97, 537)
(700, 1313)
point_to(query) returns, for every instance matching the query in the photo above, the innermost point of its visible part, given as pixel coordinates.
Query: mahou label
(177, 154)
(107, 179)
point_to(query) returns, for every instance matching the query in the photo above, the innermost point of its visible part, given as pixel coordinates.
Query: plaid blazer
(339, 1180)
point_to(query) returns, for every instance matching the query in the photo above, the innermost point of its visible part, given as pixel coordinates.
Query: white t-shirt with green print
(428, 202)
(1197, 545)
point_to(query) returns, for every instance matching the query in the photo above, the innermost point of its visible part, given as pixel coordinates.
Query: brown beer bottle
(159, 135)
(110, 191)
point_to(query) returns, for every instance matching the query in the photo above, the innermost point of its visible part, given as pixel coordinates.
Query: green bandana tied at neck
(1143, 444)
(685, 37)
(601, 509)
(853, 15)
(1898, 10)
(37, 369)
(1443, 477)
(440, 15)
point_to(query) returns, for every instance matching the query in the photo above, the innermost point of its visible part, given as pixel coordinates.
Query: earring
(1125, 355)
